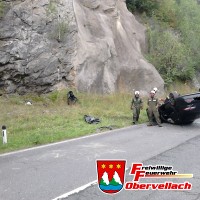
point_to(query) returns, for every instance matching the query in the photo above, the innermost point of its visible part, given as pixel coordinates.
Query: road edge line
(77, 190)
(66, 141)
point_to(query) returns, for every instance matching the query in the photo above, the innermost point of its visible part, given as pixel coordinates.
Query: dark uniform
(136, 105)
(71, 99)
(153, 111)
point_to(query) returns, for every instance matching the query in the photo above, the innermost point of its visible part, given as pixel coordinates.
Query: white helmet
(137, 92)
(155, 89)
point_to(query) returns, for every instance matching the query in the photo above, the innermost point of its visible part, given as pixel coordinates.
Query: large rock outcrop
(38, 45)
(94, 45)
(109, 53)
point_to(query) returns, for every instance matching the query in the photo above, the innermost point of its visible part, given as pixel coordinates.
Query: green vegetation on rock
(52, 8)
(61, 26)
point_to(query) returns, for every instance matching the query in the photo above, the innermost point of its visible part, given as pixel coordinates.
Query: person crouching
(71, 99)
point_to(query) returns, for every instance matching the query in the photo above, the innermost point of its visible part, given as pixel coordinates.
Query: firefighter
(136, 106)
(153, 109)
(155, 89)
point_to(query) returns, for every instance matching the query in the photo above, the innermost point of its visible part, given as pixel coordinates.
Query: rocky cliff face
(38, 45)
(89, 44)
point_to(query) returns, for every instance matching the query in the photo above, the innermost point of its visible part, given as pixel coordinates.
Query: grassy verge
(50, 119)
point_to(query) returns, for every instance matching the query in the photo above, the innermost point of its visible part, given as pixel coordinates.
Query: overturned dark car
(180, 109)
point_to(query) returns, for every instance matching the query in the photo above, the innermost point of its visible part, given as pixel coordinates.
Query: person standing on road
(155, 89)
(153, 109)
(136, 105)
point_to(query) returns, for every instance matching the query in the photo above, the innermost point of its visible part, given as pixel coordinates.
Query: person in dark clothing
(71, 99)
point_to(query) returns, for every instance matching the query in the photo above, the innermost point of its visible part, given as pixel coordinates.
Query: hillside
(173, 37)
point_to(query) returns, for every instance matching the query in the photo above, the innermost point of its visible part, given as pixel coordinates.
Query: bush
(60, 27)
(60, 31)
(188, 23)
(170, 56)
(173, 35)
(147, 6)
(52, 8)
(167, 12)
(131, 5)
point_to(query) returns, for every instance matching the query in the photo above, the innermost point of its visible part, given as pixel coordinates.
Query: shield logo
(111, 175)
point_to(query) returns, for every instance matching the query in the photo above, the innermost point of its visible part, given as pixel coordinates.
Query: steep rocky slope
(38, 45)
(89, 44)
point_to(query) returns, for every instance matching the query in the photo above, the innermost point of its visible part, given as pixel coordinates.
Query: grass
(50, 119)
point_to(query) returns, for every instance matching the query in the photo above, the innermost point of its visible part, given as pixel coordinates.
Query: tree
(170, 56)
(147, 6)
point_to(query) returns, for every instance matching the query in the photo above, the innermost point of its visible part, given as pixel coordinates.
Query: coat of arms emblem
(111, 175)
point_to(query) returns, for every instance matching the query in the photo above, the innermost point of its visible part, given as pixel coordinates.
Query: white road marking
(63, 142)
(57, 155)
(15, 168)
(77, 190)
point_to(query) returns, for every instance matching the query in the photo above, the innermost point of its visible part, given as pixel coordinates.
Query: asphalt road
(47, 172)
